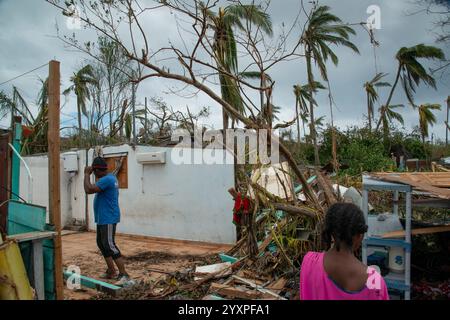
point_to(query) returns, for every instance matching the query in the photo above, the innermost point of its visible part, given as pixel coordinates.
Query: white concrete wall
(38, 166)
(185, 202)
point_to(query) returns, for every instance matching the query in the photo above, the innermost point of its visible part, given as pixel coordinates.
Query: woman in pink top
(337, 274)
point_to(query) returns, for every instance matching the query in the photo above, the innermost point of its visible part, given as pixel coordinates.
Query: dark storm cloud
(27, 30)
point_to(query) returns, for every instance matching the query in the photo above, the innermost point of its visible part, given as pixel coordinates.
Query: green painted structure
(25, 217)
(15, 163)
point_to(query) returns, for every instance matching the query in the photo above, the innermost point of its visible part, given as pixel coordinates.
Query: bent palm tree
(324, 29)
(81, 81)
(15, 105)
(302, 96)
(388, 116)
(426, 118)
(372, 94)
(411, 73)
(225, 48)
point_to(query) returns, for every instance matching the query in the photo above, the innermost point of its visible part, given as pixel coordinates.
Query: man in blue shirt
(107, 215)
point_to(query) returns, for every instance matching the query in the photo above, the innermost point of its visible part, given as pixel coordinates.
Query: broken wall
(185, 202)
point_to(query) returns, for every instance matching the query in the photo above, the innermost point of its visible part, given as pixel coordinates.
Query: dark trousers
(106, 234)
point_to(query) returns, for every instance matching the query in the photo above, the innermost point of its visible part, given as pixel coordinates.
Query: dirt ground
(144, 257)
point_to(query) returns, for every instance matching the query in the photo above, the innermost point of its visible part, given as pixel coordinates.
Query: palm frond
(251, 13)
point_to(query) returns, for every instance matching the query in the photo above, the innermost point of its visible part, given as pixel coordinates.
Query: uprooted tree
(200, 62)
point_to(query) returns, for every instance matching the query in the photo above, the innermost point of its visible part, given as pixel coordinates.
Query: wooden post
(54, 170)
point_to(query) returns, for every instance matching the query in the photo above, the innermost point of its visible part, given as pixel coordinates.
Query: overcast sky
(27, 38)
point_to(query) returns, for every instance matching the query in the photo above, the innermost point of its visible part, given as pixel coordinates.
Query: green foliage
(412, 144)
(358, 149)
(364, 155)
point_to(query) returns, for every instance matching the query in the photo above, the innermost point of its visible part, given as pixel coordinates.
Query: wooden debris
(220, 269)
(277, 285)
(436, 183)
(414, 232)
(267, 294)
(234, 292)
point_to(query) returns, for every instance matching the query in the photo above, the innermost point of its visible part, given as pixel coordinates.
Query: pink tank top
(315, 284)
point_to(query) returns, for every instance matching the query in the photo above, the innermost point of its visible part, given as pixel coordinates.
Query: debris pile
(282, 223)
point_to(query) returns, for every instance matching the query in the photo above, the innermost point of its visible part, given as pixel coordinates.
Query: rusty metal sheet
(436, 183)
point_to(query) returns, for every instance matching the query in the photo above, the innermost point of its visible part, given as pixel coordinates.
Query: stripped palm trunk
(311, 107)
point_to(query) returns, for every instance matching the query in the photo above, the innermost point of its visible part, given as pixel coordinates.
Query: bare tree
(193, 62)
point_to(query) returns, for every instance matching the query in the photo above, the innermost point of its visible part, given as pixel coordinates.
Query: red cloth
(241, 205)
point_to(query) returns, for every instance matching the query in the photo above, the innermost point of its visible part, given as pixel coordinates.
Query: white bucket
(397, 259)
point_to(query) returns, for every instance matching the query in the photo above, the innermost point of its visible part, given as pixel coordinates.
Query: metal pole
(395, 202)
(134, 112)
(365, 205)
(86, 199)
(408, 240)
(446, 127)
(145, 125)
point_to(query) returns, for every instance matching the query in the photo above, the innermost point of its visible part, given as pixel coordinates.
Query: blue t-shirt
(106, 202)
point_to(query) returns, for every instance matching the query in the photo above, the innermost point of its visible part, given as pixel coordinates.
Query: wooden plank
(432, 203)
(122, 175)
(54, 169)
(414, 232)
(267, 294)
(30, 236)
(212, 297)
(234, 292)
(443, 193)
(38, 269)
(277, 285)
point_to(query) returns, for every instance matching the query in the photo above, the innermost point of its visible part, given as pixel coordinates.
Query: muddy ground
(146, 259)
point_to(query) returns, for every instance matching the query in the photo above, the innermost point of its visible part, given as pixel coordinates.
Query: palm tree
(37, 141)
(324, 29)
(388, 116)
(411, 73)
(304, 116)
(372, 94)
(319, 122)
(15, 105)
(225, 48)
(81, 81)
(426, 118)
(302, 96)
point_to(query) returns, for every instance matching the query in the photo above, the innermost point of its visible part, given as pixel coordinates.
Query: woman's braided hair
(342, 222)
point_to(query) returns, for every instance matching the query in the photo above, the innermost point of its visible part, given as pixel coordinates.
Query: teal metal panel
(299, 188)
(93, 283)
(49, 270)
(226, 258)
(24, 217)
(15, 163)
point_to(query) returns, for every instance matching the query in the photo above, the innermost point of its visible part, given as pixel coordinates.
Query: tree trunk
(297, 114)
(391, 94)
(304, 130)
(369, 113)
(333, 133)
(311, 108)
(110, 110)
(79, 120)
(225, 120)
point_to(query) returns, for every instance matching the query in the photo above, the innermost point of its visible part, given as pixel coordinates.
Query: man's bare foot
(109, 275)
